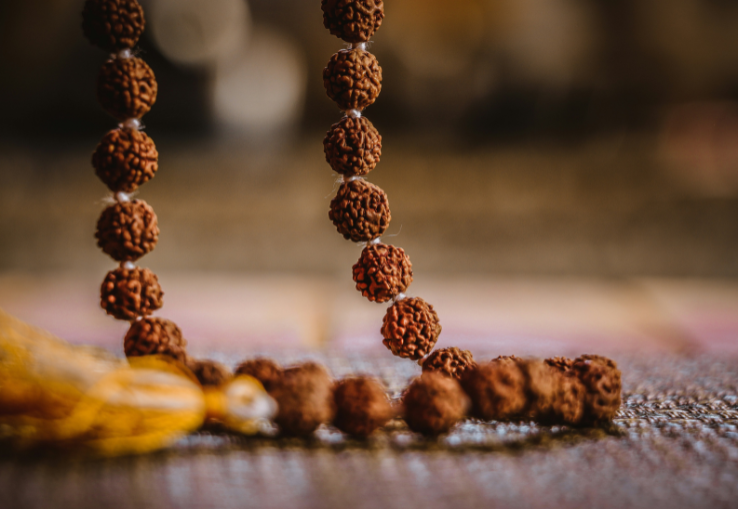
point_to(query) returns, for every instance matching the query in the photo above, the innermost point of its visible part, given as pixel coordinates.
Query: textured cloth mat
(673, 444)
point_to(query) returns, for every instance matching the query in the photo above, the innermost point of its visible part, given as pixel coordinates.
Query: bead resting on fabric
(451, 362)
(361, 406)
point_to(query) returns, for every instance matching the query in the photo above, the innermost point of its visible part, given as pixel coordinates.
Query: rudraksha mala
(360, 211)
(125, 159)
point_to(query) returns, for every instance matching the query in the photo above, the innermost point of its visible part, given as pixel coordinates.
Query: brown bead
(361, 406)
(561, 364)
(382, 272)
(352, 20)
(126, 88)
(155, 336)
(304, 397)
(497, 390)
(127, 230)
(540, 388)
(353, 79)
(360, 211)
(264, 370)
(209, 373)
(434, 403)
(113, 25)
(568, 404)
(451, 362)
(600, 377)
(125, 159)
(353, 146)
(410, 328)
(127, 294)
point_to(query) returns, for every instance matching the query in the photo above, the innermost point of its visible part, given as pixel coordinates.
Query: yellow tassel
(53, 393)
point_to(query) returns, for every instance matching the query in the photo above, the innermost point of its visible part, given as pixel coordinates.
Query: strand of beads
(360, 211)
(125, 159)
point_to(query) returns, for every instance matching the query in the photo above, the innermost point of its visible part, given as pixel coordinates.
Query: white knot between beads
(131, 123)
(350, 179)
(353, 113)
(399, 296)
(358, 45)
(124, 54)
(122, 197)
(128, 265)
(373, 242)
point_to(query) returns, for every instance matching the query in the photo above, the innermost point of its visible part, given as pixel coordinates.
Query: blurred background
(562, 173)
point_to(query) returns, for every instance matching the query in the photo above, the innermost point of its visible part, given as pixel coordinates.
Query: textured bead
(600, 377)
(113, 25)
(568, 404)
(127, 230)
(433, 404)
(361, 406)
(497, 390)
(126, 88)
(127, 294)
(155, 336)
(352, 20)
(410, 328)
(382, 272)
(451, 362)
(360, 211)
(125, 159)
(352, 146)
(353, 79)
(561, 364)
(209, 373)
(304, 396)
(264, 370)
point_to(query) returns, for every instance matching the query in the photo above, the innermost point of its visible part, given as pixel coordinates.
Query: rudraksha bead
(449, 361)
(568, 403)
(497, 390)
(264, 370)
(125, 159)
(382, 272)
(410, 328)
(209, 373)
(353, 79)
(353, 146)
(361, 406)
(126, 88)
(113, 25)
(600, 377)
(127, 230)
(352, 20)
(155, 336)
(540, 388)
(304, 397)
(434, 403)
(360, 211)
(127, 294)
(561, 364)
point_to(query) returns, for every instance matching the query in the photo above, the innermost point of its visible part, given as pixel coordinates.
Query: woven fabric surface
(673, 444)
